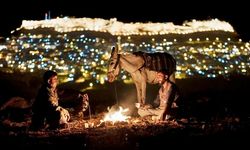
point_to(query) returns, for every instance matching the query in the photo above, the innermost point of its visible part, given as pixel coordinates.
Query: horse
(143, 68)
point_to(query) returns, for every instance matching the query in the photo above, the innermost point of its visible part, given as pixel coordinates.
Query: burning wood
(115, 116)
(89, 125)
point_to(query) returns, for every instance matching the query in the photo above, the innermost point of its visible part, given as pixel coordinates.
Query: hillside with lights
(78, 48)
(213, 68)
(139, 31)
(114, 27)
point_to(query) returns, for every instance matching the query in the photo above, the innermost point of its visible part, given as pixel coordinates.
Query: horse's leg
(138, 91)
(143, 85)
(137, 78)
(143, 92)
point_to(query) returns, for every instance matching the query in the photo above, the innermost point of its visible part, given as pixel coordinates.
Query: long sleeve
(156, 102)
(52, 98)
(46, 100)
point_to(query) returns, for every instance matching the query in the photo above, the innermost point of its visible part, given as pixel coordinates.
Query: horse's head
(113, 65)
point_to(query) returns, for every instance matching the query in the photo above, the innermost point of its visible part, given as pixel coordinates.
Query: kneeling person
(45, 108)
(165, 101)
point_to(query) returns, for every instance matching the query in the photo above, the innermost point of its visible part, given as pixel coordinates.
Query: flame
(116, 116)
(89, 125)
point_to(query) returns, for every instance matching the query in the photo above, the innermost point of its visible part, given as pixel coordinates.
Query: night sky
(236, 13)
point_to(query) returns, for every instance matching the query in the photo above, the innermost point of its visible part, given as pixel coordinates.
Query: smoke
(126, 98)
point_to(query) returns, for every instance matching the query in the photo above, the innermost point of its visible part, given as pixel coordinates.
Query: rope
(116, 97)
(89, 111)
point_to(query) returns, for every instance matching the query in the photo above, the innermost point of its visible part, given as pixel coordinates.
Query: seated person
(45, 108)
(166, 98)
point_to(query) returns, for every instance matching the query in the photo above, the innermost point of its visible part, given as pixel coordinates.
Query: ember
(89, 125)
(117, 116)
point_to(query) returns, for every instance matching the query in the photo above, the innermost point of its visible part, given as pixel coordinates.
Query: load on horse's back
(158, 62)
(142, 67)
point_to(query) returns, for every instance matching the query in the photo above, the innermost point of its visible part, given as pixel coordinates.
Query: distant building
(47, 16)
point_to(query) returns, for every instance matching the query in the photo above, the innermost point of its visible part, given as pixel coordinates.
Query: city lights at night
(71, 46)
(124, 74)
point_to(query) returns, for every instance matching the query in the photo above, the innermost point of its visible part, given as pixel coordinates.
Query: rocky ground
(136, 133)
(215, 114)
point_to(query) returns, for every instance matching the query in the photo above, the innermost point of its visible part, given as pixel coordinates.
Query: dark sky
(236, 13)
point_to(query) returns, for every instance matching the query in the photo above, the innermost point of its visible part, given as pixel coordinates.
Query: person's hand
(148, 106)
(65, 115)
(137, 105)
(174, 105)
(141, 106)
(85, 97)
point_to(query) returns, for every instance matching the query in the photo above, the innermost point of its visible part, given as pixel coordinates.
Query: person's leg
(166, 114)
(143, 112)
(157, 112)
(37, 121)
(154, 112)
(53, 119)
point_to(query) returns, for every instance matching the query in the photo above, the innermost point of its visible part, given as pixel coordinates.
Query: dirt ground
(136, 133)
(213, 113)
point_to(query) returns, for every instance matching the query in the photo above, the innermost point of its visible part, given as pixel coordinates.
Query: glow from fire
(116, 116)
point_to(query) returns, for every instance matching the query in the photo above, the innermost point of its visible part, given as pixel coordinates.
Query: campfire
(112, 117)
(116, 116)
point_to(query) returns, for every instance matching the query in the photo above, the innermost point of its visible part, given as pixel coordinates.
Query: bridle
(116, 63)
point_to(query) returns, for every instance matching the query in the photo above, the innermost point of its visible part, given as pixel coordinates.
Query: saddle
(159, 62)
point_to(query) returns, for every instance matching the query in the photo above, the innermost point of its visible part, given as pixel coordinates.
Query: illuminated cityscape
(208, 106)
(79, 48)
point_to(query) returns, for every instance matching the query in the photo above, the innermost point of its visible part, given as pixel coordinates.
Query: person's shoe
(169, 118)
(155, 118)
